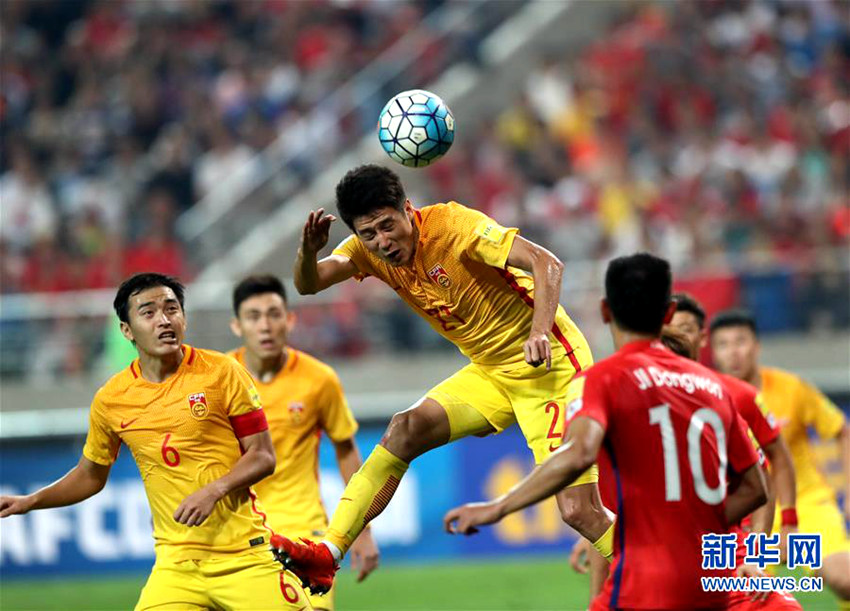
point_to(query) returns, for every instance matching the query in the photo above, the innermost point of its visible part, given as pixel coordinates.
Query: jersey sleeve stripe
(529, 300)
(250, 423)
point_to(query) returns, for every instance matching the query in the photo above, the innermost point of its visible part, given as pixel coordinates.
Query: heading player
(491, 293)
(302, 398)
(197, 431)
(651, 412)
(797, 405)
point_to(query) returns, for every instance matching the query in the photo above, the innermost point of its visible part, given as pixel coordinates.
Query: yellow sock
(367, 494)
(605, 544)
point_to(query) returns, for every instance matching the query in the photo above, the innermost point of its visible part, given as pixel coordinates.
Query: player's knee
(836, 574)
(573, 513)
(405, 435)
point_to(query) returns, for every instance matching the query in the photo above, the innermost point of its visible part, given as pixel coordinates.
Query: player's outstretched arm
(749, 496)
(547, 270)
(574, 457)
(257, 461)
(85, 480)
(310, 274)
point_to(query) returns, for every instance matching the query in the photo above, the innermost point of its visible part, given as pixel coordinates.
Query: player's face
(157, 323)
(687, 324)
(735, 351)
(263, 324)
(389, 234)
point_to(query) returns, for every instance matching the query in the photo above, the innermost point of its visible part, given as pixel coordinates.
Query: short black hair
(637, 289)
(257, 285)
(685, 302)
(367, 188)
(676, 341)
(735, 317)
(142, 282)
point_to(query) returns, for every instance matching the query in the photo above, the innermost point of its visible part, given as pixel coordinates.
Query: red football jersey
(745, 399)
(671, 436)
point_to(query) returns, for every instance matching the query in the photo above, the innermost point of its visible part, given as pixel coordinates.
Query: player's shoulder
(237, 354)
(204, 360)
(117, 385)
(311, 367)
(737, 387)
(780, 377)
(348, 243)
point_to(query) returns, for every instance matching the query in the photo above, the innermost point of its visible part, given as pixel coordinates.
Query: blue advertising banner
(111, 532)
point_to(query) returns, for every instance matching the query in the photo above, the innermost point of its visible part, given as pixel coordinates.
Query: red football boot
(311, 562)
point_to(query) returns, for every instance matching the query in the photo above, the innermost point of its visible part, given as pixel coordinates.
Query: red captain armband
(789, 517)
(250, 423)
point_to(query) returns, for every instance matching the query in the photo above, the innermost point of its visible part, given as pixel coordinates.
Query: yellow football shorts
(252, 581)
(500, 396)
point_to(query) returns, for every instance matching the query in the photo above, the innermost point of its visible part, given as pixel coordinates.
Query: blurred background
(192, 137)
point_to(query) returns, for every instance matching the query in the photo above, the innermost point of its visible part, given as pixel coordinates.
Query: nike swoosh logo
(124, 425)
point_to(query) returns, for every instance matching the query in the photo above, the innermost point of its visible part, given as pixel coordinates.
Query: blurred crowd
(118, 115)
(703, 131)
(697, 130)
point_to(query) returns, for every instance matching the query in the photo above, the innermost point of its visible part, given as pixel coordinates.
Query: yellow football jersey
(460, 283)
(304, 399)
(797, 405)
(183, 434)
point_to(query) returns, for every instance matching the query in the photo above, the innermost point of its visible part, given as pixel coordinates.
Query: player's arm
(364, 552)
(750, 494)
(573, 458)
(784, 481)
(761, 519)
(830, 423)
(547, 270)
(257, 461)
(310, 274)
(844, 441)
(83, 481)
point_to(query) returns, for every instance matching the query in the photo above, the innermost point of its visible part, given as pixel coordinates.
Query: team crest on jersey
(296, 412)
(198, 405)
(439, 275)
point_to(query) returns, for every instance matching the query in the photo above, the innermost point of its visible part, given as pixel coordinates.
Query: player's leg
(825, 518)
(539, 398)
(174, 586)
(464, 404)
(467, 403)
(252, 582)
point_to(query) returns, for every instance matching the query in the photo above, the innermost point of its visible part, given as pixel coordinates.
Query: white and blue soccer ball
(416, 128)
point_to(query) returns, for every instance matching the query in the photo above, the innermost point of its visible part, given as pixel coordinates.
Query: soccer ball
(416, 128)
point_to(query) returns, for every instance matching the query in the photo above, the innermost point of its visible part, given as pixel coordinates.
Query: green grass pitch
(519, 584)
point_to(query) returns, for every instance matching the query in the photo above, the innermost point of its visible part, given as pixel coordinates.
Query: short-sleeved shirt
(671, 437)
(797, 405)
(748, 403)
(184, 434)
(303, 400)
(459, 281)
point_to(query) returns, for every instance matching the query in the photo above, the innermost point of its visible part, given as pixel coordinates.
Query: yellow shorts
(253, 580)
(822, 517)
(478, 395)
